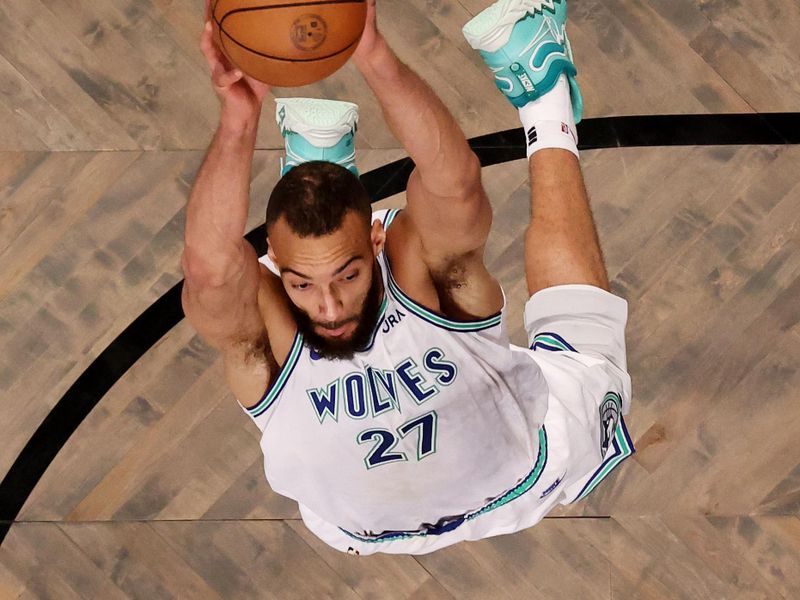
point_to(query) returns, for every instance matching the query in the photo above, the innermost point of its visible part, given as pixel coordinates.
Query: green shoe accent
(525, 44)
(299, 150)
(317, 130)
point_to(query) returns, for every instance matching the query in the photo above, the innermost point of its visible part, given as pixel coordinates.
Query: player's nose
(330, 308)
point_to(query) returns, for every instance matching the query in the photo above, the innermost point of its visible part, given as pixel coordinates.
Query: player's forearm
(420, 121)
(218, 204)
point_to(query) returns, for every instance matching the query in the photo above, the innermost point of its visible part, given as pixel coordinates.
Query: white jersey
(437, 423)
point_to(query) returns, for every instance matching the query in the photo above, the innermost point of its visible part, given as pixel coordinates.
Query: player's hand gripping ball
(288, 43)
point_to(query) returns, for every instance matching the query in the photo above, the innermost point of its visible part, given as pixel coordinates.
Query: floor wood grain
(105, 114)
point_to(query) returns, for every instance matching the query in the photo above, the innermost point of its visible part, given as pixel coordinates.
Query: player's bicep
(226, 315)
(224, 310)
(453, 225)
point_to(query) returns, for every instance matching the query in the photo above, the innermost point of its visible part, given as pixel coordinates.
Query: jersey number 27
(381, 454)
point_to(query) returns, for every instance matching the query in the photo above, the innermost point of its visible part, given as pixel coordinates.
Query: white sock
(548, 122)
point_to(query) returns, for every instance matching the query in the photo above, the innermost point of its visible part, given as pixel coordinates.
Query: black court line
(496, 148)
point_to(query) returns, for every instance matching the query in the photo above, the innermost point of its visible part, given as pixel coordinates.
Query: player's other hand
(370, 37)
(241, 96)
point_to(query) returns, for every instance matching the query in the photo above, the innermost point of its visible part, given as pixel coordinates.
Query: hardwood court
(106, 113)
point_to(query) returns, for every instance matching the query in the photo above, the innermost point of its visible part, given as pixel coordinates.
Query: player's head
(321, 237)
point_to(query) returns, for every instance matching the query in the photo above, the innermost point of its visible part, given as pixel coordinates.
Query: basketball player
(371, 350)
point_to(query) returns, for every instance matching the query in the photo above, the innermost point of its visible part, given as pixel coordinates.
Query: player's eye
(301, 286)
(351, 277)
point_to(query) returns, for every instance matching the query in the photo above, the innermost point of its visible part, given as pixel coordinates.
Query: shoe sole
(321, 122)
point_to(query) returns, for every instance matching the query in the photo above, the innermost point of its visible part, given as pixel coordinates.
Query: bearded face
(340, 340)
(334, 283)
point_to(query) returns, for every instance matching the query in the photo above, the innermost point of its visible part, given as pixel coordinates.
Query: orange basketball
(288, 43)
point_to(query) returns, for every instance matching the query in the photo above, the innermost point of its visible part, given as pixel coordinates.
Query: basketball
(288, 43)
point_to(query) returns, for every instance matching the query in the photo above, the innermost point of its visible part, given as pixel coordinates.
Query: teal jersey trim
(454, 522)
(378, 323)
(387, 220)
(280, 383)
(433, 318)
(438, 320)
(526, 484)
(423, 312)
(389, 217)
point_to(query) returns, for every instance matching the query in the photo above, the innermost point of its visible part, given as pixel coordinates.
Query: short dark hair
(315, 197)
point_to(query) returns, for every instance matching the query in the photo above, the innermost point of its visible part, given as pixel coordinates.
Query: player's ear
(377, 237)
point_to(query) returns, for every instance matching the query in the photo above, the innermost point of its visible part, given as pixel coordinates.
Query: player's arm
(218, 204)
(447, 207)
(224, 284)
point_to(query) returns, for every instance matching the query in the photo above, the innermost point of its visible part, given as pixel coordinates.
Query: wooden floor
(105, 114)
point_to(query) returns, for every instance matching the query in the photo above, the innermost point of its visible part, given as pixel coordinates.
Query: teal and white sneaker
(317, 130)
(525, 44)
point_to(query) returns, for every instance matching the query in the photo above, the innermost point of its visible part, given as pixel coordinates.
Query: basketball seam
(300, 60)
(274, 6)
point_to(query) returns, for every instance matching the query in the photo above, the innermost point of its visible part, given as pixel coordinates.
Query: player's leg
(524, 42)
(317, 130)
(561, 243)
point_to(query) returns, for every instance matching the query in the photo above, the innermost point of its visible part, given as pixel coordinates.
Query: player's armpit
(452, 232)
(454, 284)
(250, 367)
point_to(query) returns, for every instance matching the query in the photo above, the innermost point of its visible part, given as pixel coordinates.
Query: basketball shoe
(317, 130)
(525, 44)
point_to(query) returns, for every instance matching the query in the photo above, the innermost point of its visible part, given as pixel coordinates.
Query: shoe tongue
(485, 32)
(492, 29)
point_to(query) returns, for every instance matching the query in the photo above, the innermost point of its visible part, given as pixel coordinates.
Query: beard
(343, 349)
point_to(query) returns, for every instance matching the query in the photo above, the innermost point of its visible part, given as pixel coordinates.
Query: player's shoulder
(273, 304)
(405, 256)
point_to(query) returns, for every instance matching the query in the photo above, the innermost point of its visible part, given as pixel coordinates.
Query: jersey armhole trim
(280, 381)
(389, 217)
(427, 314)
(378, 323)
(438, 320)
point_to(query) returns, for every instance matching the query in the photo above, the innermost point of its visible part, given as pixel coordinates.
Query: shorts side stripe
(551, 341)
(623, 448)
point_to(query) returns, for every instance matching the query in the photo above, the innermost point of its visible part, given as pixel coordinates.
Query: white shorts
(577, 337)
(576, 334)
